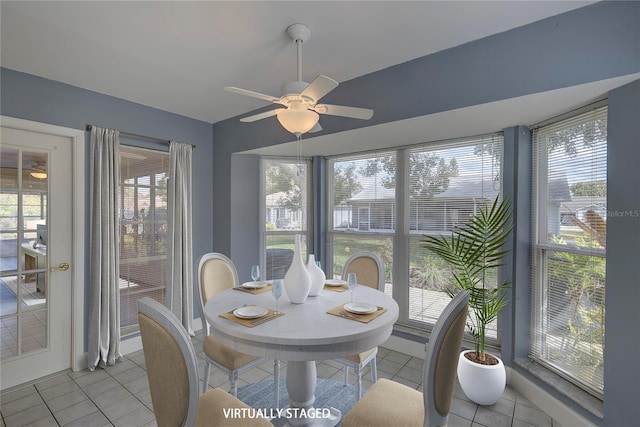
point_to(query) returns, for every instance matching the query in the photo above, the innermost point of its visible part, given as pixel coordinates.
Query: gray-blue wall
(622, 338)
(245, 174)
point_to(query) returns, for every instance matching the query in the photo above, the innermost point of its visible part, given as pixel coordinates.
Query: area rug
(329, 394)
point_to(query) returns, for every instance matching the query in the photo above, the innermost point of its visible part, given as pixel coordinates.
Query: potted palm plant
(475, 250)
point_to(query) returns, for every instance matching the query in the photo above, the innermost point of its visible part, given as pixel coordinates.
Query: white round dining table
(304, 334)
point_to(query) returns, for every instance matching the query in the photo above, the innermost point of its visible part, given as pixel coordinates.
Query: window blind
(286, 210)
(569, 256)
(447, 183)
(363, 192)
(362, 208)
(143, 234)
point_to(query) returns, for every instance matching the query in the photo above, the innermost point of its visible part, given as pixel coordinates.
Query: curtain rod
(136, 135)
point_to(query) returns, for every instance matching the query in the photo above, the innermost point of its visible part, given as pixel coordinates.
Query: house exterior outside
(373, 208)
(278, 215)
(578, 206)
(463, 198)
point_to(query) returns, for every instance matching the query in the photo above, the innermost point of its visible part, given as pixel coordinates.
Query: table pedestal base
(301, 386)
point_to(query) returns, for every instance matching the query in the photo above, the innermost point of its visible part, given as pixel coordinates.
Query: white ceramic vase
(317, 276)
(297, 280)
(483, 384)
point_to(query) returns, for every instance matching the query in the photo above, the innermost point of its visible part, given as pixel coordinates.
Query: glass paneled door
(35, 230)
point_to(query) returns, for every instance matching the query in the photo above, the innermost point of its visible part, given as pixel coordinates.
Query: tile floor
(119, 395)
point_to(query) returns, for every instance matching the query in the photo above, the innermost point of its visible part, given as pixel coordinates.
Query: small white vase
(483, 384)
(297, 281)
(317, 276)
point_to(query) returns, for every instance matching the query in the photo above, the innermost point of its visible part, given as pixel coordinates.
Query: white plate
(254, 285)
(360, 307)
(250, 312)
(334, 282)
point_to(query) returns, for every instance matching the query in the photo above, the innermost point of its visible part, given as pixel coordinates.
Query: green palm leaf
(474, 249)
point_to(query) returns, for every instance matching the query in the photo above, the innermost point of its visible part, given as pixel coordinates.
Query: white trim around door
(78, 355)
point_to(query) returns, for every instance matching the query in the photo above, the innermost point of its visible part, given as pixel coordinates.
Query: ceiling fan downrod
(299, 47)
(299, 33)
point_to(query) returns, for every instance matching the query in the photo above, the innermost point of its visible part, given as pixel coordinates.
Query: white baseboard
(134, 344)
(405, 346)
(130, 345)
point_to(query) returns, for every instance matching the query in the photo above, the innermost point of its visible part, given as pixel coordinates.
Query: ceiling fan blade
(251, 93)
(319, 87)
(260, 116)
(343, 111)
(316, 128)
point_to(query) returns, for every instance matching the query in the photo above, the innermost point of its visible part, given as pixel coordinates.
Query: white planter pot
(483, 384)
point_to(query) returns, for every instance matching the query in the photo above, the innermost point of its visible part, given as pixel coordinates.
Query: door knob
(62, 267)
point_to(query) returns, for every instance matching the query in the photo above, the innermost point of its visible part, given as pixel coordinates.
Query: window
(386, 202)
(24, 300)
(447, 183)
(569, 256)
(362, 202)
(287, 208)
(143, 230)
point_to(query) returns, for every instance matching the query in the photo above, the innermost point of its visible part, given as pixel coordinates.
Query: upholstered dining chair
(172, 370)
(369, 272)
(216, 273)
(388, 403)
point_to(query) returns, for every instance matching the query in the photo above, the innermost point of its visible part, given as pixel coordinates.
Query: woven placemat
(364, 318)
(341, 288)
(254, 291)
(250, 323)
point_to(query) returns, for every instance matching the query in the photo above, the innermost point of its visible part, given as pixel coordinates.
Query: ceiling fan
(38, 170)
(300, 99)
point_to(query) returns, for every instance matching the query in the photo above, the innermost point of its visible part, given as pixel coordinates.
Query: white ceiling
(177, 56)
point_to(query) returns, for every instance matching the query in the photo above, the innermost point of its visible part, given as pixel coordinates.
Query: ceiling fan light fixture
(38, 170)
(297, 121)
(39, 175)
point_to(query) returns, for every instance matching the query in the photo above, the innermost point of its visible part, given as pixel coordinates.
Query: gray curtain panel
(179, 251)
(104, 295)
